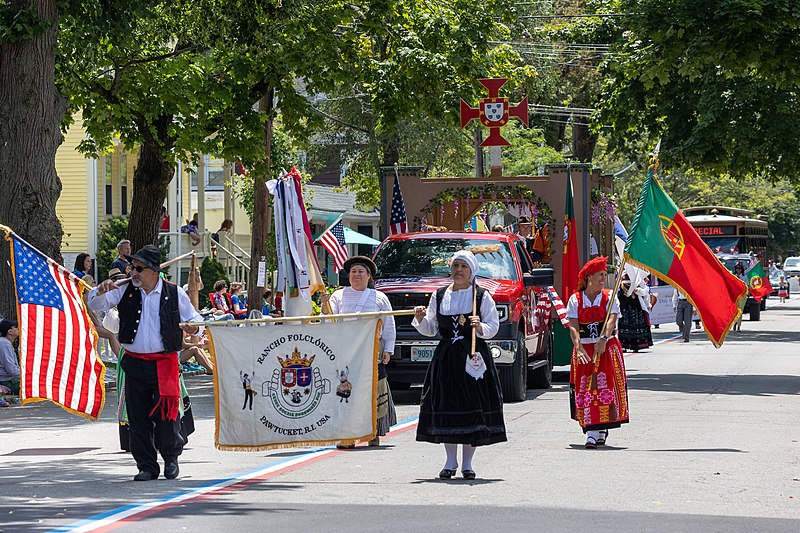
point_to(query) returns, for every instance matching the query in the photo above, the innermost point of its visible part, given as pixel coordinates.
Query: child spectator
(238, 302)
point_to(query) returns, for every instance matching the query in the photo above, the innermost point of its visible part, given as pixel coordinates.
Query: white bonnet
(469, 258)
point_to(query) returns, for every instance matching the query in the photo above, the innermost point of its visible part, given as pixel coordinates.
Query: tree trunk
(151, 181)
(31, 111)
(391, 150)
(258, 247)
(583, 143)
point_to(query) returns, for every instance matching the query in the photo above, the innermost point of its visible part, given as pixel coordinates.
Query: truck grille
(407, 301)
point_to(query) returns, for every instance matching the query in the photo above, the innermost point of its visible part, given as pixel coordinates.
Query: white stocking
(452, 461)
(467, 452)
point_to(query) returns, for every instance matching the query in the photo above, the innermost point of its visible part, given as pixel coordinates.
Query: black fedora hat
(150, 255)
(361, 260)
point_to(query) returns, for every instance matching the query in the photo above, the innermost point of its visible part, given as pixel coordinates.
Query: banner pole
(611, 300)
(320, 318)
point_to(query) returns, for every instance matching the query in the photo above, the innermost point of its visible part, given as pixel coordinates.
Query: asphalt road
(713, 445)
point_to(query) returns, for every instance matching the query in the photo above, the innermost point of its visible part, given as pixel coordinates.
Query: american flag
(57, 340)
(398, 223)
(332, 239)
(561, 310)
(488, 284)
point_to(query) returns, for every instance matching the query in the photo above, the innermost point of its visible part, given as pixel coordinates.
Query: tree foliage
(717, 80)
(414, 62)
(778, 199)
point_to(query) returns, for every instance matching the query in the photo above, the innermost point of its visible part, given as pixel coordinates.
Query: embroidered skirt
(599, 390)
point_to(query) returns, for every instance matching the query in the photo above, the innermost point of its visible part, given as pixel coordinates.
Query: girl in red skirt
(598, 388)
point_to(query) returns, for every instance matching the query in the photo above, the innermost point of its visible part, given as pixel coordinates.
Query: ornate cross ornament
(494, 111)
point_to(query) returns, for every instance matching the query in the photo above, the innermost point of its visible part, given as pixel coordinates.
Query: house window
(365, 249)
(108, 167)
(123, 183)
(213, 175)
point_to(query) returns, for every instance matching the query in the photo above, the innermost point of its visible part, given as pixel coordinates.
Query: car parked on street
(411, 266)
(791, 267)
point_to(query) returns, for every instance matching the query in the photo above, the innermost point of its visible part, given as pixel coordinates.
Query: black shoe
(601, 440)
(446, 473)
(171, 469)
(145, 475)
(468, 474)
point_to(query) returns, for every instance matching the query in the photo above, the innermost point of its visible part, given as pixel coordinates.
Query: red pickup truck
(413, 265)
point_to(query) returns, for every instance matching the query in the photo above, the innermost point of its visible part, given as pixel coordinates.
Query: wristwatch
(604, 337)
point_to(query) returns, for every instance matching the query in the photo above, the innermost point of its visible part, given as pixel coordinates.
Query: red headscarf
(598, 264)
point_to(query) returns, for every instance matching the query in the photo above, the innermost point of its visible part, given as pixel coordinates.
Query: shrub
(211, 271)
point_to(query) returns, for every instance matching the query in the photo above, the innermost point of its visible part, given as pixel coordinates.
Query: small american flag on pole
(57, 340)
(398, 222)
(561, 310)
(332, 239)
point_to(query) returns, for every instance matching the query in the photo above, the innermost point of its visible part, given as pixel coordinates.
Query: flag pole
(611, 300)
(326, 306)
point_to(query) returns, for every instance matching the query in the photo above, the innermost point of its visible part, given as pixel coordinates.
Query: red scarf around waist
(169, 389)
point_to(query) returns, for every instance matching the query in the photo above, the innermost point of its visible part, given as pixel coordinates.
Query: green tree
(31, 109)
(717, 80)
(184, 78)
(211, 271)
(414, 61)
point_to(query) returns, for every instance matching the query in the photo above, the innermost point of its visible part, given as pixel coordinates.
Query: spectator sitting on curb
(9, 363)
(194, 346)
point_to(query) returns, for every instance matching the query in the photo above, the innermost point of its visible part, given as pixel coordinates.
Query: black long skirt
(633, 325)
(455, 407)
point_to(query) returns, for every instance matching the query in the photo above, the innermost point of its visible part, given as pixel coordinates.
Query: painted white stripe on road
(116, 517)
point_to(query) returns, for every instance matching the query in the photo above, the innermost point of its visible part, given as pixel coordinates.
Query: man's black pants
(141, 395)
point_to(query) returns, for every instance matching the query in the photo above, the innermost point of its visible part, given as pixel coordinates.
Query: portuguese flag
(662, 241)
(759, 284)
(569, 262)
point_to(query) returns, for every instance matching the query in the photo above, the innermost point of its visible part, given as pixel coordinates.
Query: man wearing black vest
(150, 311)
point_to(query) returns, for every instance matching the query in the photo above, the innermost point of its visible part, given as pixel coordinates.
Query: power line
(581, 15)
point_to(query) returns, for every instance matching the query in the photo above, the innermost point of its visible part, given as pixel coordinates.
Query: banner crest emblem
(297, 387)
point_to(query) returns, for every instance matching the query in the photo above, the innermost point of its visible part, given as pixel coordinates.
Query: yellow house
(93, 190)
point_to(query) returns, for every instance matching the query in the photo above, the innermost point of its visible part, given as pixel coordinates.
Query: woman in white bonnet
(455, 407)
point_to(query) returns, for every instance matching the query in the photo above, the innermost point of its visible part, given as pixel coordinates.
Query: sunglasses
(138, 269)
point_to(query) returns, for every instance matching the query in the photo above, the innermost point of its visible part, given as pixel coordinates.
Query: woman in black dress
(456, 408)
(634, 318)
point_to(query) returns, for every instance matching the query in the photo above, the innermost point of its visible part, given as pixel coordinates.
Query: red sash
(169, 389)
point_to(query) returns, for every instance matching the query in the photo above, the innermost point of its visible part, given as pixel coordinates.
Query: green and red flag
(758, 281)
(569, 263)
(662, 241)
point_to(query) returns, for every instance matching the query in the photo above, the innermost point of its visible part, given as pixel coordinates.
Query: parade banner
(295, 384)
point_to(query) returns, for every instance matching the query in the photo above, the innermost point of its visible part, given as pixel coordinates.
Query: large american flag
(57, 340)
(332, 239)
(398, 223)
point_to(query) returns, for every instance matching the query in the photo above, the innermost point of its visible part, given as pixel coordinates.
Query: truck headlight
(502, 312)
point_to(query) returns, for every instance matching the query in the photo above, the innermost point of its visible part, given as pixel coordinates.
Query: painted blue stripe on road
(109, 518)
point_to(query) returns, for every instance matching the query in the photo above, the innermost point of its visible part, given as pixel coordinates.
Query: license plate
(422, 353)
